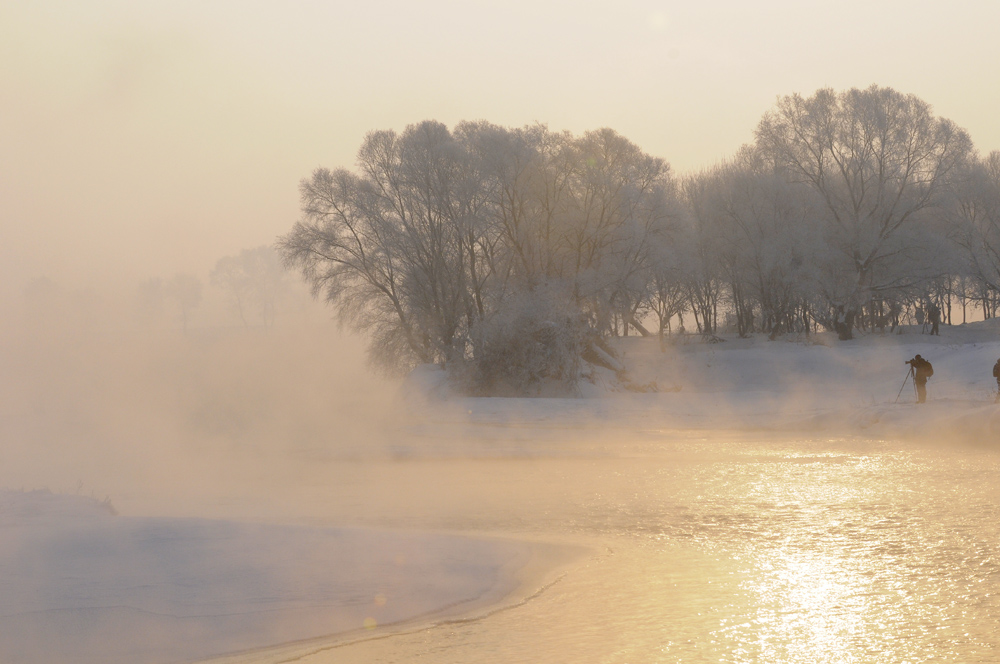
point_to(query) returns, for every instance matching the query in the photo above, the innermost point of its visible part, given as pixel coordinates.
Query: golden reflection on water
(800, 608)
(713, 551)
(805, 599)
(871, 564)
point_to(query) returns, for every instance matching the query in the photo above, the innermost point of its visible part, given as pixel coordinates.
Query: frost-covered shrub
(530, 346)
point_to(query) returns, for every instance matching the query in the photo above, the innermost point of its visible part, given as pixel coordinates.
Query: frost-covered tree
(620, 199)
(400, 249)
(704, 272)
(760, 230)
(185, 290)
(977, 221)
(666, 275)
(880, 162)
(439, 230)
(531, 344)
(520, 197)
(575, 211)
(253, 280)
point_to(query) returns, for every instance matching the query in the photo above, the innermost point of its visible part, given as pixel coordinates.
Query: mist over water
(727, 548)
(700, 546)
(178, 422)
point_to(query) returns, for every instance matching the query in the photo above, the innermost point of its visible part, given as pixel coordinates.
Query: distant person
(921, 370)
(934, 316)
(894, 311)
(996, 374)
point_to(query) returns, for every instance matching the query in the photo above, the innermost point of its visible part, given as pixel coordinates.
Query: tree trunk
(639, 327)
(844, 325)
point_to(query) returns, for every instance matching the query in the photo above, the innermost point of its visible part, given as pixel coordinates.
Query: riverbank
(813, 384)
(540, 565)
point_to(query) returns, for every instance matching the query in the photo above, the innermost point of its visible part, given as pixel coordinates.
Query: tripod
(909, 374)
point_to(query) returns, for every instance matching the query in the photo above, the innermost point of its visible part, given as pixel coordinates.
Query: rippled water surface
(733, 549)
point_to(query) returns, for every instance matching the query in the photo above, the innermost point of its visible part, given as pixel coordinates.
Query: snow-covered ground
(812, 384)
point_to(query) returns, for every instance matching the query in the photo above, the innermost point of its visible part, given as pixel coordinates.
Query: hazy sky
(139, 139)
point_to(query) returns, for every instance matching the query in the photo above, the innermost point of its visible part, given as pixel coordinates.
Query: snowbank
(81, 585)
(814, 384)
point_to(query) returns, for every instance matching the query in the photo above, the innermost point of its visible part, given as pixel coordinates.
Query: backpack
(929, 369)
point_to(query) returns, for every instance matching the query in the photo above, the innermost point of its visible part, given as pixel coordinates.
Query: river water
(722, 548)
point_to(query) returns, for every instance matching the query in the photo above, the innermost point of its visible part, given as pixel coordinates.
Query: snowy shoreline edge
(518, 581)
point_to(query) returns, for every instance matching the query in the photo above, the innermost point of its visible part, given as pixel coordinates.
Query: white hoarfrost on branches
(509, 255)
(756, 236)
(881, 164)
(440, 230)
(977, 221)
(530, 345)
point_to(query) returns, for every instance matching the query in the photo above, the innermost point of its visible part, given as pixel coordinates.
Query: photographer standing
(921, 370)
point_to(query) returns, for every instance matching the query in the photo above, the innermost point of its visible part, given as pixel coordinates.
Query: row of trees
(253, 283)
(848, 211)
(250, 288)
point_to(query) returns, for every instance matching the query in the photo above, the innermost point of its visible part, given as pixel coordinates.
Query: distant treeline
(849, 211)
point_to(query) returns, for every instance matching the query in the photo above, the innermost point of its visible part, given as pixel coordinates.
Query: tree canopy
(848, 211)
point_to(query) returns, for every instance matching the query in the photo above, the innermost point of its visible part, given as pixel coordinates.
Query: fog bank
(178, 422)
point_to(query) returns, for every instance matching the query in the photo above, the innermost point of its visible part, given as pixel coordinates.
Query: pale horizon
(145, 140)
